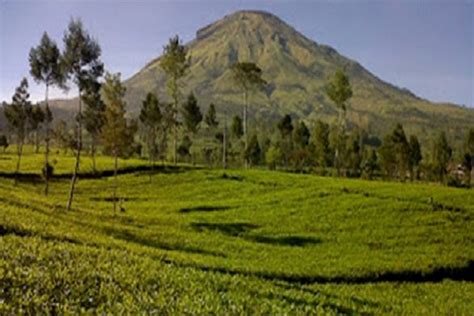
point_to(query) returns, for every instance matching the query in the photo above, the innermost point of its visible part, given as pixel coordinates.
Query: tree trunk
(46, 153)
(151, 150)
(78, 155)
(175, 123)
(93, 151)
(245, 125)
(224, 144)
(20, 152)
(115, 181)
(36, 141)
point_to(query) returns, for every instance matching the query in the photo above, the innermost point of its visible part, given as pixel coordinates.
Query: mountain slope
(296, 69)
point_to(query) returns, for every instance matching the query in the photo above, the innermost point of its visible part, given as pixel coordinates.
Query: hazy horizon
(424, 47)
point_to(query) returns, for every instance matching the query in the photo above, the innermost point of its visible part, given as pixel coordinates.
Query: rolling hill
(296, 69)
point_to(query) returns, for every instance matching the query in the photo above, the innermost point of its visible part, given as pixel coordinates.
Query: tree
(247, 76)
(370, 164)
(17, 114)
(320, 140)
(175, 63)
(469, 144)
(273, 157)
(387, 157)
(237, 128)
(442, 153)
(94, 113)
(224, 143)
(82, 61)
(414, 157)
(354, 154)
(165, 127)
(61, 135)
(4, 142)
(46, 67)
(301, 135)
(285, 126)
(253, 152)
(401, 151)
(339, 90)
(151, 117)
(184, 148)
(467, 164)
(117, 135)
(36, 118)
(468, 161)
(211, 119)
(192, 116)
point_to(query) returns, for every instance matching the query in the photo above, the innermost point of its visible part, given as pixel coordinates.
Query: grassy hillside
(198, 241)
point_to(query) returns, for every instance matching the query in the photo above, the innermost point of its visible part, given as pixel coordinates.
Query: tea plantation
(201, 241)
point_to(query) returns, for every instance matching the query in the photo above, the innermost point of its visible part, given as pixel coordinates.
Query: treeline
(177, 129)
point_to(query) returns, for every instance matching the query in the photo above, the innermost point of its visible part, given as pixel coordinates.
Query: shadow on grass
(30, 177)
(206, 208)
(297, 241)
(313, 292)
(19, 232)
(339, 309)
(118, 199)
(460, 273)
(128, 236)
(229, 229)
(226, 176)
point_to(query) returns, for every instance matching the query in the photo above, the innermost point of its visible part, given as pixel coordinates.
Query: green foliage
(4, 142)
(94, 113)
(117, 135)
(301, 135)
(248, 76)
(253, 153)
(441, 156)
(152, 119)
(182, 247)
(273, 157)
(81, 57)
(211, 119)
(285, 126)
(236, 127)
(192, 115)
(175, 63)
(36, 117)
(320, 140)
(370, 165)
(354, 154)
(174, 60)
(415, 155)
(339, 89)
(396, 153)
(19, 111)
(184, 149)
(46, 63)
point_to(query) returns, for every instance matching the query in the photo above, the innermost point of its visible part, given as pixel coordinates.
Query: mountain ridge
(296, 69)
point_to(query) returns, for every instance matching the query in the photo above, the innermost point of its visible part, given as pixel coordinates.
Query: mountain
(296, 69)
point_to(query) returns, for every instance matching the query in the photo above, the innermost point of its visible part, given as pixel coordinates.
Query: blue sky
(425, 46)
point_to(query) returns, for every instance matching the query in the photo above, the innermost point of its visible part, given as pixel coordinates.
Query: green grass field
(198, 241)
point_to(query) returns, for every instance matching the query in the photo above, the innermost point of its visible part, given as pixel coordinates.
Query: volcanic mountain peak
(296, 69)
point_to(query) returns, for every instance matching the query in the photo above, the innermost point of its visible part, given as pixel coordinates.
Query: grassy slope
(255, 241)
